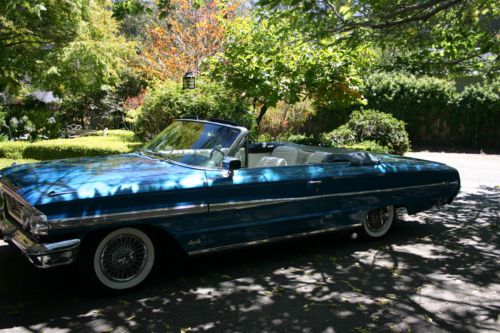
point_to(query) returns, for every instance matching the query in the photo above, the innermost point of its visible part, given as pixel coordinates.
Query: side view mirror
(231, 164)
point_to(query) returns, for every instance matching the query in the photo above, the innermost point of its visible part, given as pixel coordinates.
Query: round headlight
(39, 225)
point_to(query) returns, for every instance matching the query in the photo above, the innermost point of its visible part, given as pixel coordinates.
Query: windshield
(194, 143)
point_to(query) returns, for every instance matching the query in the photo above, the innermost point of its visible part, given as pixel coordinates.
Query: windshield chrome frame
(238, 142)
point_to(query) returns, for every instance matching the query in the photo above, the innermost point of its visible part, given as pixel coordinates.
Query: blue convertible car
(202, 186)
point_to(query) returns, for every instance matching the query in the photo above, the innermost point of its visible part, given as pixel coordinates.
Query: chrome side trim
(390, 189)
(274, 239)
(128, 216)
(217, 207)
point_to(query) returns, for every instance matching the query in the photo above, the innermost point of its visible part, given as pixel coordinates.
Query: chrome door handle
(314, 182)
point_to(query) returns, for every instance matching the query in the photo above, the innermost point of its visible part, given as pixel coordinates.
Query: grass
(115, 142)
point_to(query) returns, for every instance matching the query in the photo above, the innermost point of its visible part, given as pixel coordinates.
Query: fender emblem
(194, 242)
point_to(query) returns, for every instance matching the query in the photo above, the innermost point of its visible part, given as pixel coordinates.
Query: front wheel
(378, 222)
(120, 260)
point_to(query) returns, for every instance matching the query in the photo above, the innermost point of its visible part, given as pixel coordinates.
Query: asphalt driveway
(438, 271)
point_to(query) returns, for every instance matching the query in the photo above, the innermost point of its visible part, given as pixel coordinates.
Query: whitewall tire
(123, 259)
(378, 222)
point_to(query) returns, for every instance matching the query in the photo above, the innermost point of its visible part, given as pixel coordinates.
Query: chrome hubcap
(123, 258)
(376, 219)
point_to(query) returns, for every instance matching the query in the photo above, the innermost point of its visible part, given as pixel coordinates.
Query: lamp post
(188, 81)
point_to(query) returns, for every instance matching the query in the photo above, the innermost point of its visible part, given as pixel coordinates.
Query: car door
(348, 192)
(262, 203)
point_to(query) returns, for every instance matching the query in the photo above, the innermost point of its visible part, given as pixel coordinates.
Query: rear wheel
(378, 222)
(120, 260)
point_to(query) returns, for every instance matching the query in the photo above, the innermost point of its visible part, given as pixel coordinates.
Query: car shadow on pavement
(436, 271)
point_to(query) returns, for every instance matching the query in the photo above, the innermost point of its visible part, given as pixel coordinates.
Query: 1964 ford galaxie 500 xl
(199, 184)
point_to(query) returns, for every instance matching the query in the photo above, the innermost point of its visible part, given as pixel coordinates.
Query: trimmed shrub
(341, 136)
(12, 150)
(370, 146)
(7, 162)
(303, 139)
(116, 142)
(371, 125)
(61, 148)
(169, 101)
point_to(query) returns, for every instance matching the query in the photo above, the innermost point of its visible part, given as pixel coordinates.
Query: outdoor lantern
(188, 81)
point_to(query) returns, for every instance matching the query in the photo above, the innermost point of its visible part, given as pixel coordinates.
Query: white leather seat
(317, 157)
(289, 154)
(269, 161)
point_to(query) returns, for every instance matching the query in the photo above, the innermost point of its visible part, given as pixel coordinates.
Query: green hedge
(435, 113)
(116, 142)
(7, 162)
(169, 101)
(12, 150)
(476, 120)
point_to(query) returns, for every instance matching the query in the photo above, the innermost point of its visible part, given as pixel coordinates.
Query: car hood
(81, 178)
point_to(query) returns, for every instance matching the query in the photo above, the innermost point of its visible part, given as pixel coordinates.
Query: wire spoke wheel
(378, 221)
(124, 258)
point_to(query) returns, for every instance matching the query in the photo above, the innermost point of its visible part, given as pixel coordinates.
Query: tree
(88, 69)
(267, 64)
(185, 37)
(461, 42)
(444, 36)
(348, 15)
(30, 31)
(134, 17)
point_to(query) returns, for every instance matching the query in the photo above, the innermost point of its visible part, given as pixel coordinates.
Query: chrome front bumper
(39, 254)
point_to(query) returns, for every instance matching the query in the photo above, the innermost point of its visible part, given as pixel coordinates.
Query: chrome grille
(14, 207)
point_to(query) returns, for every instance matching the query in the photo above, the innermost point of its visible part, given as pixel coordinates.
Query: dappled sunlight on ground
(437, 271)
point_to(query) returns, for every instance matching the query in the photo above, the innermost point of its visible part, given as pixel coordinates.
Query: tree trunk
(262, 112)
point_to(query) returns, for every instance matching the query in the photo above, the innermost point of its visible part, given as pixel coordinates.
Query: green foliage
(367, 145)
(29, 116)
(435, 37)
(476, 118)
(168, 101)
(116, 142)
(303, 139)
(125, 8)
(415, 100)
(7, 162)
(436, 114)
(372, 125)
(288, 118)
(268, 64)
(29, 31)
(87, 71)
(341, 136)
(12, 149)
